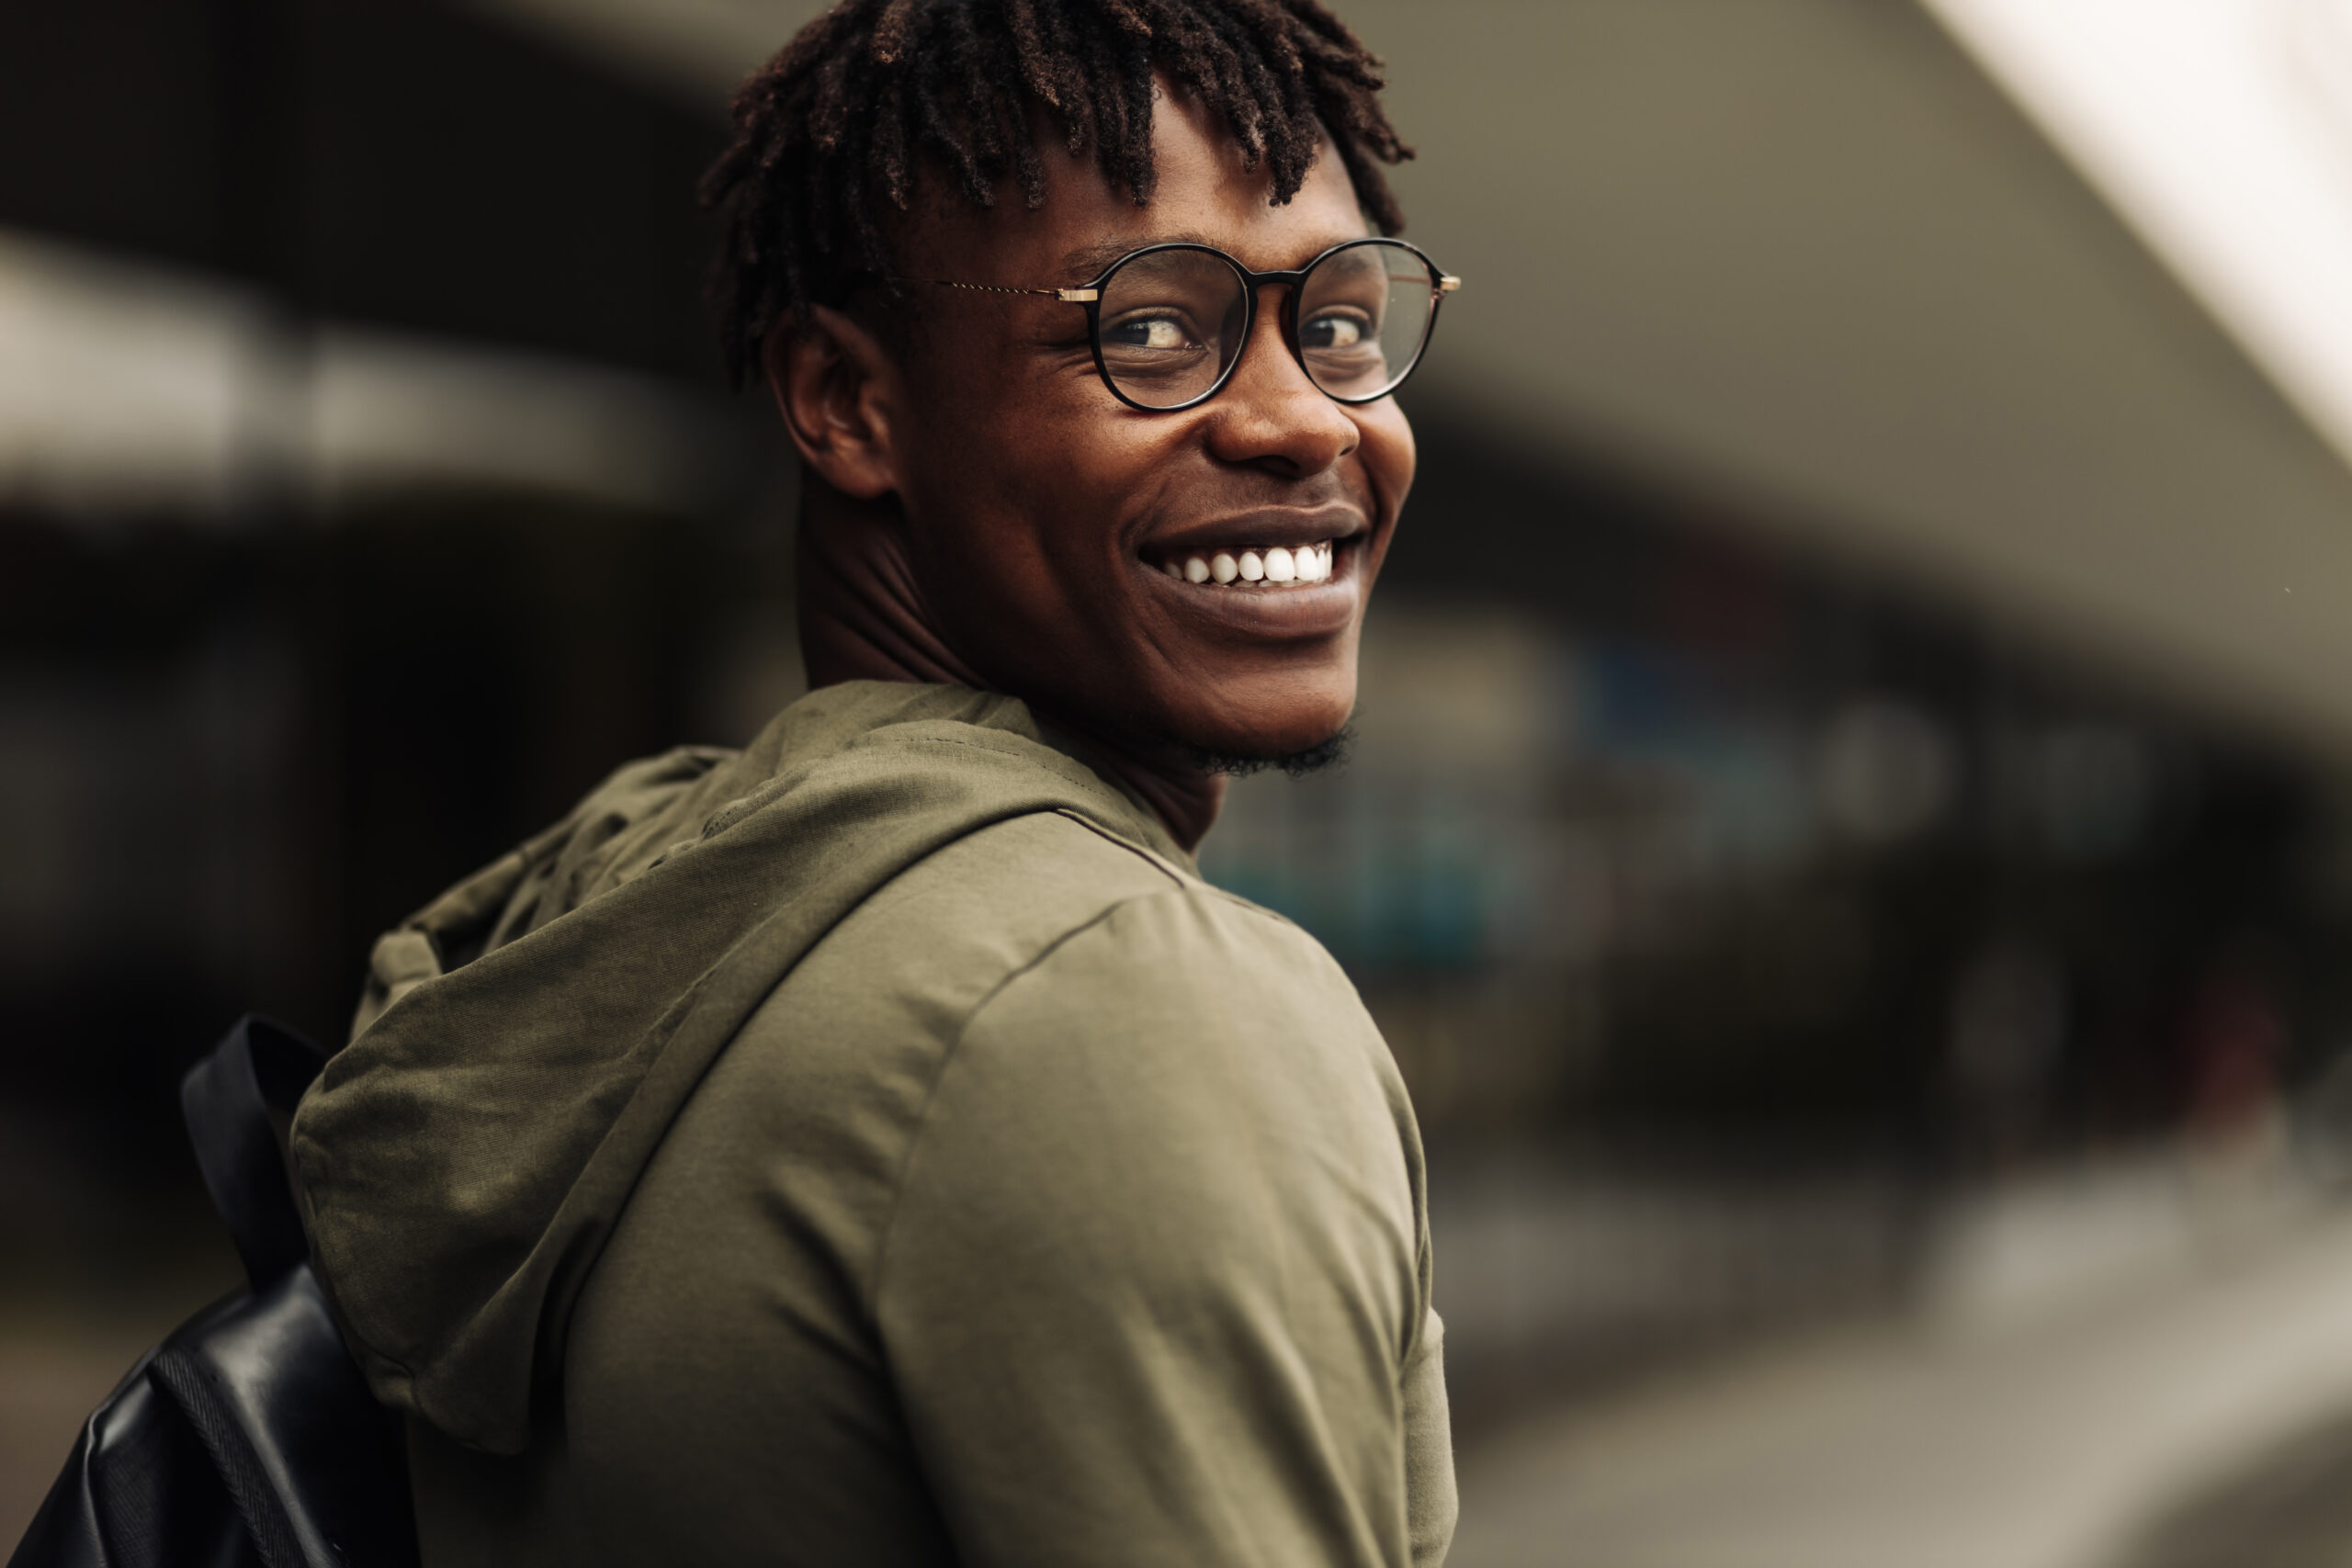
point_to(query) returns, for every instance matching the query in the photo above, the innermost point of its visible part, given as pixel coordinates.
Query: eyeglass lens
(1172, 322)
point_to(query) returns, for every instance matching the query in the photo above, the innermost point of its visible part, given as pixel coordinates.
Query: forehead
(1204, 191)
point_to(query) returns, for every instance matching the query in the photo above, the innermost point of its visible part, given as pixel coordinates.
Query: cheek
(972, 433)
(1018, 533)
(965, 497)
(1056, 485)
(1388, 454)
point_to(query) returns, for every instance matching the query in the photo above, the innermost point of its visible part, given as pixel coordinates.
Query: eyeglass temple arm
(1069, 296)
(1446, 283)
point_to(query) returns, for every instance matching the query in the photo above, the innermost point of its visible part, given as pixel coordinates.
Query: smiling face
(1196, 577)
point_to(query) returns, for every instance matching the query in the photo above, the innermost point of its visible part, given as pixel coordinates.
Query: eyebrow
(1088, 263)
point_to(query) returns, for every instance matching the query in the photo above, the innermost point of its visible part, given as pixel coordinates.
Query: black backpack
(248, 1437)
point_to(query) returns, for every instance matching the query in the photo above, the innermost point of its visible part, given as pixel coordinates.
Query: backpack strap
(260, 1068)
(247, 1438)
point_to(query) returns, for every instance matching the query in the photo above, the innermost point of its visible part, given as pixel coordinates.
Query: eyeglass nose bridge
(1294, 285)
(1285, 321)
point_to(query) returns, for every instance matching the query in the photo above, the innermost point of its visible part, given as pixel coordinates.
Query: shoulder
(1042, 946)
(1182, 1098)
(960, 920)
(888, 991)
(1186, 1004)
(998, 907)
(1041, 951)
(1186, 966)
(1042, 939)
(1044, 1030)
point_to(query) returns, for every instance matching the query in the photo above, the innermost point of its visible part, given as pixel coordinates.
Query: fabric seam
(1151, 857)
(939, 1076)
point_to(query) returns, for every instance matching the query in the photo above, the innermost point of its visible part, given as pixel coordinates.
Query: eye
(1331, 330)
(1147, 331)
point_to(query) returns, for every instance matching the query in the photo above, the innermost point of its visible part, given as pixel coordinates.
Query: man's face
(1042, 513)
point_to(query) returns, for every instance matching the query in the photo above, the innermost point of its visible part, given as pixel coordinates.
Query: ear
(839, 392)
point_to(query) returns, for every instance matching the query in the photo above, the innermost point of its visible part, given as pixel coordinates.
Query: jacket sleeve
(1153, 1279)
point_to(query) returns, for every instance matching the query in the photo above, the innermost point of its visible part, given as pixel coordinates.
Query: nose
(1270, 414)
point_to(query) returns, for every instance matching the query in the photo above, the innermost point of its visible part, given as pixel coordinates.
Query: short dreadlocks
(836, 124)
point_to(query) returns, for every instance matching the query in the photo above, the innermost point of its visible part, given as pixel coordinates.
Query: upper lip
(1286, 526)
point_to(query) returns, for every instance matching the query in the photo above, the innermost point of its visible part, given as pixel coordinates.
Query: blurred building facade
(1672, 825)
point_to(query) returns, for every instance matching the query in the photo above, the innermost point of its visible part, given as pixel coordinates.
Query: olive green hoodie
(878, 1145)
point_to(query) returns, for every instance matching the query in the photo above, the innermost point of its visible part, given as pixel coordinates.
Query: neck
(863, 617)
(1184, 796)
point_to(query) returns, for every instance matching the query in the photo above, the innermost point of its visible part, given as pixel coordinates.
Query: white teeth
(1307, 563)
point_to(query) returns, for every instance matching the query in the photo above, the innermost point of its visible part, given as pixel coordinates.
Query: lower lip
(1277, 613)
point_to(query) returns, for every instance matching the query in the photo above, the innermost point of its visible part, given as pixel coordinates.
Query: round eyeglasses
(1169, 322)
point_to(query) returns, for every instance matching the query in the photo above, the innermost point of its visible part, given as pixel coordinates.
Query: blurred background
(1851, 829)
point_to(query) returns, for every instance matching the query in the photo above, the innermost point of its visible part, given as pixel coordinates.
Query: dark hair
(834, 127)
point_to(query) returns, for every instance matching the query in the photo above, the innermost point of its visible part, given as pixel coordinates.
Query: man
(880, 1147)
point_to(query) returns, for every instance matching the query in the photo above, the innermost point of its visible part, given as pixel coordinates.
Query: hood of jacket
(525, 1041)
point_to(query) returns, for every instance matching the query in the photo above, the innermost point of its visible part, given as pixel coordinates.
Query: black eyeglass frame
(1091, 296)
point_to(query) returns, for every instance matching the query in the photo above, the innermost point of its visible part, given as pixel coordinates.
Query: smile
(1270, 567)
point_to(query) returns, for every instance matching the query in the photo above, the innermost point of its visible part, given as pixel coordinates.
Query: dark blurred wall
(232, 748)
(371, 160)
(229, 759)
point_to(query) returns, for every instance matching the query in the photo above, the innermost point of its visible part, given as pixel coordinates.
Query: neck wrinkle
(864, 619)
